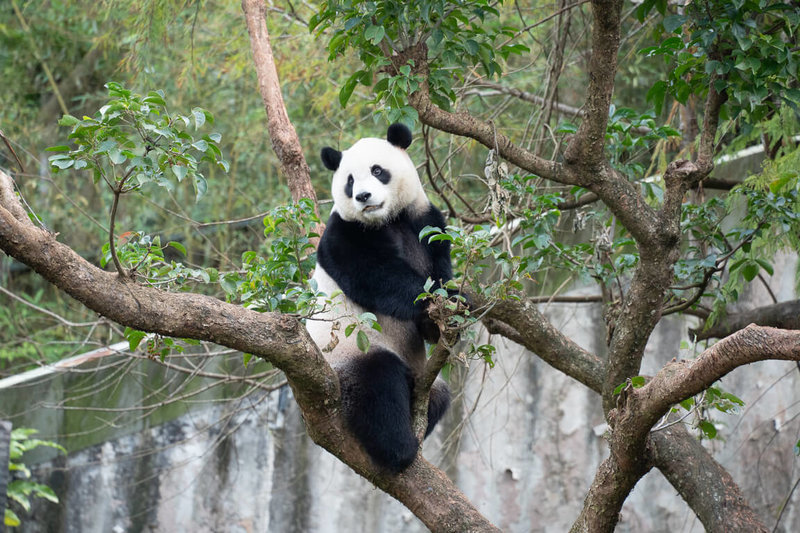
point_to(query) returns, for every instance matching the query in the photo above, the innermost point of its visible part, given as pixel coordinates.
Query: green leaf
(200, 145)
(347, 90)
(673, 22)
(178, 246)
(68, 120)
(199, 117)
(750, 271)
(374, 34)
(200, 185)
(116, 157)
(708, 429)
(638, 381)
(179, 171)
(362, 341)
(60, 148)
(45, 492)
(247, 357)
(766, 266)
(62, 163)
(11, 519)
(134, 337)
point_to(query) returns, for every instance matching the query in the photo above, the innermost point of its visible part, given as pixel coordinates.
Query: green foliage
(145, 255)
(278, 279)
(746, 48)
(624, 144)
(134, 140)
(20, 490)
(457, 34)
(480, 251)
(703, 407)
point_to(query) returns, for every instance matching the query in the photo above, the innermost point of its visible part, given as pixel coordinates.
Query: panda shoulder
(429, 216)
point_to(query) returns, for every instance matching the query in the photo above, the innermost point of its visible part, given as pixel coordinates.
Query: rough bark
(698, 478)
(522, 323)
(679, 380)
(785, 315)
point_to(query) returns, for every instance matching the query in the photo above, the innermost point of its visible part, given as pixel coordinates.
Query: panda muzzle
(368, 208)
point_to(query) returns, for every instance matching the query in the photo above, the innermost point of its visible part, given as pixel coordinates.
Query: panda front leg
(377, 389)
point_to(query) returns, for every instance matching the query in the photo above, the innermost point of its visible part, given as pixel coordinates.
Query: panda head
(374, 179)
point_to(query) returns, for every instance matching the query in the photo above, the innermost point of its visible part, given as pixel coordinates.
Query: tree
(663, 253)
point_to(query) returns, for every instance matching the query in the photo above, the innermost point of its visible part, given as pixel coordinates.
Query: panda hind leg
(438, 404)
(376, 399)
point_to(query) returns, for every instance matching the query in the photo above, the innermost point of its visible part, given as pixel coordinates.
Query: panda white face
(375, 179)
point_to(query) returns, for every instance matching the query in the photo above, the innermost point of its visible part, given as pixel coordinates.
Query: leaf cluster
(277, 279)
(20, 490)
(457, 34)
(135, 140)
(745, 48)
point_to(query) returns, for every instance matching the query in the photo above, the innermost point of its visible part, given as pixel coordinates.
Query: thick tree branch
(639, 409)
(281, 131)
(707, 146)
(610, 488)
(587, 146)
(784, 315)
(521, 322)
(8, 199)
(466, 125)
(679, 380)
(703, 482)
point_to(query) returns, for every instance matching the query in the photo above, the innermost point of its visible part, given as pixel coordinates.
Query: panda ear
(399, 135)
(331, 158)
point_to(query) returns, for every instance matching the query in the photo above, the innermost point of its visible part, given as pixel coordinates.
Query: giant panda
(370, 255)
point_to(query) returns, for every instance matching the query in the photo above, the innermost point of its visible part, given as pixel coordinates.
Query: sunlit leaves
(277, 279)
(457, 34)
(135, 140)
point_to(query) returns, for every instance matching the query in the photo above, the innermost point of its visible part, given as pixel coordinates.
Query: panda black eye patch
(381, 173)
(348, 189)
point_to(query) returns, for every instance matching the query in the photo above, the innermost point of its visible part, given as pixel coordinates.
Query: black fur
(377, 392)
(383, 175)
(438, 402)
(348, 188)
(330, 158)
(376, 398)
(372, 265)
(399, 135)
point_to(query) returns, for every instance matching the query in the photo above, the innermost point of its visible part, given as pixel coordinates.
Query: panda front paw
(428, 329)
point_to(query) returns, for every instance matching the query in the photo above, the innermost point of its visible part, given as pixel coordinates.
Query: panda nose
(363, 196)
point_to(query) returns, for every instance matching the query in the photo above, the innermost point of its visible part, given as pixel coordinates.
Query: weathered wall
(522, 441)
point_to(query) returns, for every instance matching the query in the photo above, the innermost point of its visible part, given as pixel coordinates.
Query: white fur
(330, 324)
(403, 190)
